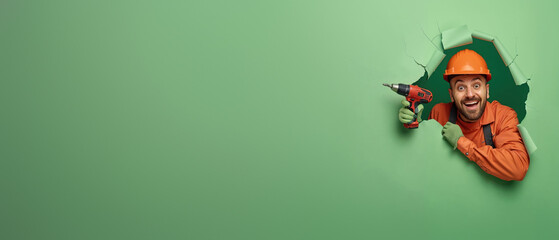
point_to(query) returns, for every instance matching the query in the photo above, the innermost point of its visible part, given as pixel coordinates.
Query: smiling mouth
(471, 105)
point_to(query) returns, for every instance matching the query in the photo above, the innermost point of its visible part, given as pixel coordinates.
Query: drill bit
(394, 87)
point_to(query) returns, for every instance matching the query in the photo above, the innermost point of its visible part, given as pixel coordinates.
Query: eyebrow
(459, 80)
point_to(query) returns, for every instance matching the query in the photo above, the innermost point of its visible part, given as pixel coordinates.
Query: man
(485, 132)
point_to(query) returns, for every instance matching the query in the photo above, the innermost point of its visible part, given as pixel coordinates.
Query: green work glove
(452, 132)
(406, 116)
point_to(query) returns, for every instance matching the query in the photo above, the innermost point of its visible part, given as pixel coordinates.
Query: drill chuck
(402, 89)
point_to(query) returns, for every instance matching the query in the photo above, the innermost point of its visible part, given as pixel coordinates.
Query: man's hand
(452, 132)
(406, 116)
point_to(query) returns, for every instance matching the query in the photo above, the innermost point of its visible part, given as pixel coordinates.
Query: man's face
(469, 93)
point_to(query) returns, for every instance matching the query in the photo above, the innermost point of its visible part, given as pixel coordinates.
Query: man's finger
(406, 111)
(406, 116)
(445, 128)
(405, 103)
(405, 120)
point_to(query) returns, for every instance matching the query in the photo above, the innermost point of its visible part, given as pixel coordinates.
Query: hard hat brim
(447, 77)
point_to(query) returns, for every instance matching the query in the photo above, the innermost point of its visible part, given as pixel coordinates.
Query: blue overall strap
(486, 128)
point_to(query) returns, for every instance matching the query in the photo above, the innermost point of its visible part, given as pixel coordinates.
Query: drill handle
(413, 104)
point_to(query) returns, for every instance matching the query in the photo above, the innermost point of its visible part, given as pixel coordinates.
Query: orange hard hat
(466, 62)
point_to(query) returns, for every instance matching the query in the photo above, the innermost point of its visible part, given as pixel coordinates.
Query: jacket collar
(488, 116)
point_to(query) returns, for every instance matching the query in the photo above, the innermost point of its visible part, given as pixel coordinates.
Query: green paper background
(255, 120)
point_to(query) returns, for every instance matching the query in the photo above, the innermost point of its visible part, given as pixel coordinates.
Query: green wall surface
(256, 120)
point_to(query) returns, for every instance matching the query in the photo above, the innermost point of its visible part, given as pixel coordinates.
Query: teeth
(470, 103)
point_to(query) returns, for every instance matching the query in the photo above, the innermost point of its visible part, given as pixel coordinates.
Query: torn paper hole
(512, 93)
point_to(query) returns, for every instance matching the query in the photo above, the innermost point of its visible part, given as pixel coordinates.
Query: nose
(469, 92)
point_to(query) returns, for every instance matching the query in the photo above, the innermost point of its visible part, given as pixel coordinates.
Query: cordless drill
(415, 95)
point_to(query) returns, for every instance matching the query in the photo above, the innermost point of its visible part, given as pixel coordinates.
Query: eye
(460, 88)
(476, 86)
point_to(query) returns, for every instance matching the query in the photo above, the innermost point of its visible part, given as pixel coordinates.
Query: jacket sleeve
(439, 114)
(509, 159)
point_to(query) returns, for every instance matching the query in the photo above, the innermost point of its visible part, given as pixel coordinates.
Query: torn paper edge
(518, 76)
(438, 42)
(456, 37)
(435, 60)
(505, 56)
(482, 36)
(528, 142)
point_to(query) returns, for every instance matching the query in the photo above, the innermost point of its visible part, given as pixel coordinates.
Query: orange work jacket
(509, 159)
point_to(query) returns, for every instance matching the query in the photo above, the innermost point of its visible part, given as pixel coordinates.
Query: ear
(450, 93)
(487, 88)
